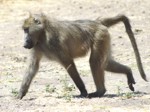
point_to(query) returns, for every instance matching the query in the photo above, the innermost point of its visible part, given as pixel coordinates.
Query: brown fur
(63, 41)
(122, 18)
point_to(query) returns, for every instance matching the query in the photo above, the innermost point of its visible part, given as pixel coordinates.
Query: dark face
(33, 28)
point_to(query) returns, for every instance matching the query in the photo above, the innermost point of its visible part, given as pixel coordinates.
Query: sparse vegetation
(14, 92)
(118, 90)
(49, 89)
(68, 88)
(126, 95)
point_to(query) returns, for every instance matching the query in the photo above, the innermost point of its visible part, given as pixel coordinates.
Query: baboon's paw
(96, 94)
(131, 86)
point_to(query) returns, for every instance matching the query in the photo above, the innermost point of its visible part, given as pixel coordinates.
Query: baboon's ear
(30, 14)
(43, 15)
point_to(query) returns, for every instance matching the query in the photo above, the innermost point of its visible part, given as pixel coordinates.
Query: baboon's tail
(108, 22)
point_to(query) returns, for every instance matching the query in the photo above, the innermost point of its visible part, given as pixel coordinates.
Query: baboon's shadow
(137, 93)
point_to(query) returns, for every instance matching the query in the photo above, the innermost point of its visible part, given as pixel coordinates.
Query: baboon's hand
(84, 95)
(20, 95)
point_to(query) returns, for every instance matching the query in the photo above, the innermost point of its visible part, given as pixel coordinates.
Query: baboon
(63, 41)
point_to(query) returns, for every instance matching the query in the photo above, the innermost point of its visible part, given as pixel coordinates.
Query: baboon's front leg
(29, 75)
(71, 69)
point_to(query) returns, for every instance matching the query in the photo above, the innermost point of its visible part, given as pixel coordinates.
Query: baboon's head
(33, 28)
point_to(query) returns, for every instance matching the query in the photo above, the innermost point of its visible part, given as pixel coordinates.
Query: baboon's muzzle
(28, 44)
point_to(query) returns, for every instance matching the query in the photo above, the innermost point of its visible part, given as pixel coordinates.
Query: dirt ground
(52, 89)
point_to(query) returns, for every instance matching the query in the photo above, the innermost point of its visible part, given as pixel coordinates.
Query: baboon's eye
(26, 30)
(37, 21)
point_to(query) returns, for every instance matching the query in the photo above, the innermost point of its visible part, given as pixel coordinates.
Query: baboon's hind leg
(98, 59)
(116, 67)
(98, 75)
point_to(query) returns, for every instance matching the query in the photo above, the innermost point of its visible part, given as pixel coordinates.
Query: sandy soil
(52, 89)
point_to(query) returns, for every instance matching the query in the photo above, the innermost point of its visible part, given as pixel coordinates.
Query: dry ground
(52, 89)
